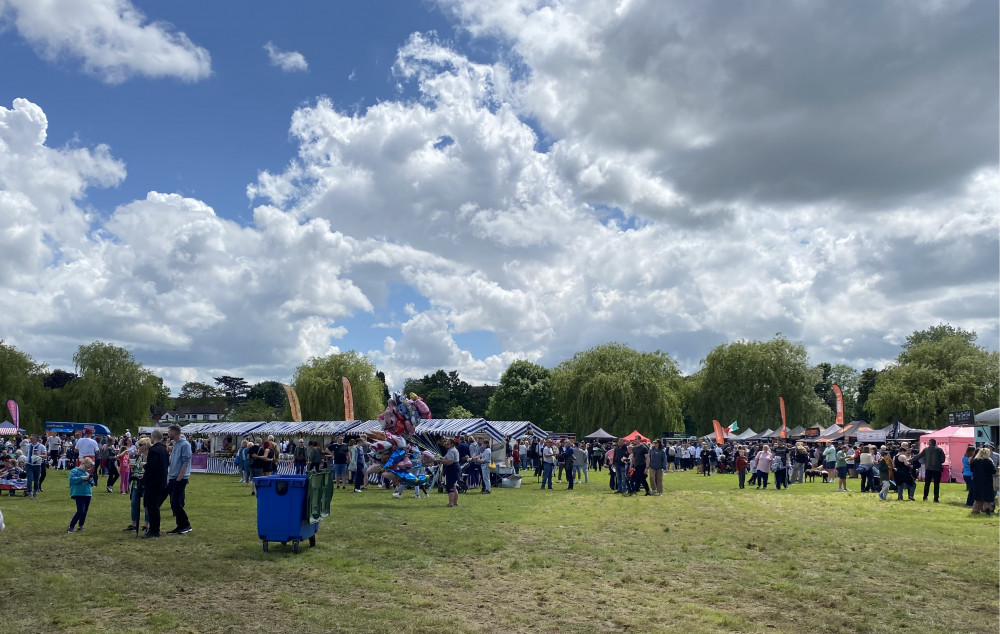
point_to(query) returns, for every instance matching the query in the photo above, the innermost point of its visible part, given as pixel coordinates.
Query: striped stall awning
(518, 428)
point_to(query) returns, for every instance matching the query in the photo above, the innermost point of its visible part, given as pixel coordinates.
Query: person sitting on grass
(80, 491)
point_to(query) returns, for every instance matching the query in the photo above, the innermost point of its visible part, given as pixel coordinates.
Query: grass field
(705, 557)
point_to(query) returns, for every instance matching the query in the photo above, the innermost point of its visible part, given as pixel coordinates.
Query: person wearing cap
(933, 459)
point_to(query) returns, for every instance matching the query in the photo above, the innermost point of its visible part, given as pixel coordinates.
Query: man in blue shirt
(177, 478)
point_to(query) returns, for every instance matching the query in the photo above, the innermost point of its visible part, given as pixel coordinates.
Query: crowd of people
(150, 471)
(155, 468)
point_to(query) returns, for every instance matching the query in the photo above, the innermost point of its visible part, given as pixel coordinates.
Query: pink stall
(953, 440)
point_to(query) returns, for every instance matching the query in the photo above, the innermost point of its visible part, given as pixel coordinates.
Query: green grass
(705, 557)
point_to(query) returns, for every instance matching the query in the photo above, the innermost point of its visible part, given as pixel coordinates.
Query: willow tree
(319, 387)
(620, 389)
(112, 388)
(21, 379)
(742, 381)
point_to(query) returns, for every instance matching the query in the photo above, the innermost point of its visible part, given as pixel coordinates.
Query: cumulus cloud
(600, 231)
(112, 38)
(288, 61)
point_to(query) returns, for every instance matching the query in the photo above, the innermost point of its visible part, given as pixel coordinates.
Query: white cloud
(288, 61)
(112, 38)
(549, 246)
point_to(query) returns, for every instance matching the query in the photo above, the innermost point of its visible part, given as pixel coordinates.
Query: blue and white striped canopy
(454, 426)
(518, 428)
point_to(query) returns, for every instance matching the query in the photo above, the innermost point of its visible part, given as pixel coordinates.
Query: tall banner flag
(293, 403)
(840, 404)
(784, 427)
(15, 413)
(719, 436)
(348, 399)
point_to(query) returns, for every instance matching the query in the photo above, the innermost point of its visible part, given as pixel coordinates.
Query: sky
(235, 187)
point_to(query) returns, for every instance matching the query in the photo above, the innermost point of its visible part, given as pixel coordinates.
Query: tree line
(613, 386)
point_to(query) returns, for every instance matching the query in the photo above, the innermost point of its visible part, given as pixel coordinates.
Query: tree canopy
(939, 370)
(320, 389)
(524, 393)
(742, 381)
(113, 388)
(21, 379)
(620, 389)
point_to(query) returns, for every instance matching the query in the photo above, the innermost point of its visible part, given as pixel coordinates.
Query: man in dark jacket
(154, 482)
(932, 457)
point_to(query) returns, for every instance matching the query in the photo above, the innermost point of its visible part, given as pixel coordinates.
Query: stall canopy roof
(454, 426)
(72, 428)
(635, 434)
(518, 428)
(600, 434)
(8, 429)
(307, 427)
(990, 416)
(749, 433)
(222, 429)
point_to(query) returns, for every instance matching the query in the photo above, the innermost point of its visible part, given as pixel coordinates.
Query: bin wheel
(264, 545)
(312, 540)
(295, 546)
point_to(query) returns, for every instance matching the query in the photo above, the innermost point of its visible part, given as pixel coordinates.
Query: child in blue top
(80, 490)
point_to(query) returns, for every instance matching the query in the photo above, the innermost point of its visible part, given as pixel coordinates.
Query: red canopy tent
(635, 434)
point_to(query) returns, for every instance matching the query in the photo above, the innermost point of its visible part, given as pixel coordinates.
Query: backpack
(670, 451)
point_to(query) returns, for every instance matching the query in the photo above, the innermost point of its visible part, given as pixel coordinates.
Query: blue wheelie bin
(282, 511)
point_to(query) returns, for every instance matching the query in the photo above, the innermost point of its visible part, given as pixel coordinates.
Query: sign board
(199, 462)
(812, 432)
(962, 417)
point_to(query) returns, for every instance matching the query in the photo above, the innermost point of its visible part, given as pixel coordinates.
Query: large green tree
(21, 379)
(320, 388)
(866, 385)
(939, 370)
(524, 393)
(113, 388)
(847, 378)
(743, 381)
(620, 389)
(271, 392)
(253, 410)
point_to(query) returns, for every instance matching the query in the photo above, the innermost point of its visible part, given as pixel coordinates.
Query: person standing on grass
(81, 492)
(485, 460)
(639, 465)
(904, 475)
(830, 460)
(300, 457)
(706, 459)
(657, 464)
(841, 465)
(741, 466)
(933, 459)
(87, 447)
(154, 482)
(609, 459)
(177, 479)
(451, 473)
(763, 468)
(567, 456)
(982, 482)
(967, 474)
(340, 458)
(124, 466)
(359, 466)
(315, 456)
(35, 454)
(548, 463)
(581, 462)
(885, 472)
(865, 469)
(137, 472)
